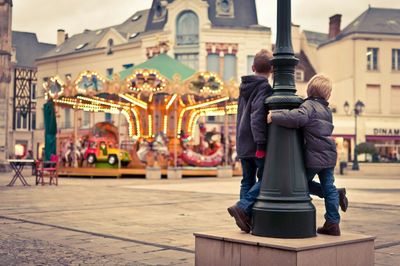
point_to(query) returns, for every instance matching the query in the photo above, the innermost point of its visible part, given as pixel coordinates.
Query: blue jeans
(250, 187)
(327, 190)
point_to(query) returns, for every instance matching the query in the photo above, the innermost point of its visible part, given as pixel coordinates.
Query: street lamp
(283, 208)
(358, 109)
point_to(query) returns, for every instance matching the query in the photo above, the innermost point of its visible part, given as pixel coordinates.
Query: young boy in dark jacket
(315, 119)
(251, 136)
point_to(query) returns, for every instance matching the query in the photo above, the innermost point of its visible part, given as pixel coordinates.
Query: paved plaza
(151, 222)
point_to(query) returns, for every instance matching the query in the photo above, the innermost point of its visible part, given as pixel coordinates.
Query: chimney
(334, 26)
(60, 36)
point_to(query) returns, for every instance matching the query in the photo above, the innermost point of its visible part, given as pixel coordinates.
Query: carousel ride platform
(187, 172)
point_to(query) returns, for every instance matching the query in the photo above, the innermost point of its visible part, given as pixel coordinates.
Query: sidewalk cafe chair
(47, 169)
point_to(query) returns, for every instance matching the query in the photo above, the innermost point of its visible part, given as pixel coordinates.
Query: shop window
(395, 99)
(373, 101)
(250, 62)
(372, 58)
(229, 66)
(191, 60)
(213, 63)
(396, 59)
(187, 28)
(67, 117)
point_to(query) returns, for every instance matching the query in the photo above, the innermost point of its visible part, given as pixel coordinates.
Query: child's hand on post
(260, 154)
(269, 118)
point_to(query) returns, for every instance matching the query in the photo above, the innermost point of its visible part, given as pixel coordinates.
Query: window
(110, 44)
(21, 121)
(229, 66)
(67, 118)
(372, 58)
(86, 119)
(224, 8)
(395, 99)
(211, 119)
(191, 60)
(250, 62)
(213, 63)
(81, 46)
(373, 101)
(395, 59)
(299, 75)
(110, 71)
(33, 121)
(33, 91)
(126, 66)
(108, 117)
(187, 28)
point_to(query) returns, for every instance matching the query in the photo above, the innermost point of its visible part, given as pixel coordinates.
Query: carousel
(164, 104)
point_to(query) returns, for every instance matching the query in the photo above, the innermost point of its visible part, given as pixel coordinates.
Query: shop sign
(387, 131)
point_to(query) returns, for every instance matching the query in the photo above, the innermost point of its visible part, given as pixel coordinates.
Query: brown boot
(343, 201)
(241, 218)
(329, 229)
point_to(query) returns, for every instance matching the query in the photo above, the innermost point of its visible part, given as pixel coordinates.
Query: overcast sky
(44, 17)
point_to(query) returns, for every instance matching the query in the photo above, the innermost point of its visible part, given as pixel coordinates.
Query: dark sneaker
(241, 218)
(329, 229)
(343, 201)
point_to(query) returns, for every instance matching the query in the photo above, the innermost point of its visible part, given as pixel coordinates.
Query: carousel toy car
(103, 150)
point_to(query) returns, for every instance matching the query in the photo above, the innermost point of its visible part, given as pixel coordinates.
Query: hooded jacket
(251, 126)
(315, 118)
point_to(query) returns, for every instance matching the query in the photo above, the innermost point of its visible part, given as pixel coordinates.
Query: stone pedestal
(235, 248)
(224, 171)
(153, 172)
(174, 173)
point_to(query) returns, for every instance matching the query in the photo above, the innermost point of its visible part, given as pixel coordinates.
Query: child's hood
(250, 83)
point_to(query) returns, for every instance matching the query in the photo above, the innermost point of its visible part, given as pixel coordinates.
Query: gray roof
(374, 21)
(245, 16)
(92, 37)
(28, 48)
(316, 38)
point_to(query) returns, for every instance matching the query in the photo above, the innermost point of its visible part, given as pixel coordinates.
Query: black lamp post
(283, 208)
(358, 108)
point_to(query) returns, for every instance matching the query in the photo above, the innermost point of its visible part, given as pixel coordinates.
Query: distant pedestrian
(315, 118)
(251, 136)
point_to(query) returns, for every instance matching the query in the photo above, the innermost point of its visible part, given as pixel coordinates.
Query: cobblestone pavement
(148, 222)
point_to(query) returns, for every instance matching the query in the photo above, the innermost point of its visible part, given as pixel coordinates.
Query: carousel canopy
(165, 65)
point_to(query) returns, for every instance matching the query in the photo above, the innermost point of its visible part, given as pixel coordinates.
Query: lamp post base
(292, 222)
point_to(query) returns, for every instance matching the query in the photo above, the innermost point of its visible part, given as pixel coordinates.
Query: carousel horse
(158, 147)
(72, 151)
(144, 149)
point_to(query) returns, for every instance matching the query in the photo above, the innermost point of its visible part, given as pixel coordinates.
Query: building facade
(221, 36)
(22, 111)
(5, 72)
(363, 60)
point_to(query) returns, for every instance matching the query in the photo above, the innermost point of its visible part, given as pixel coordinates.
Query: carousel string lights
(171, 101)
(89, 85)
(146, 80)
(134, 100)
